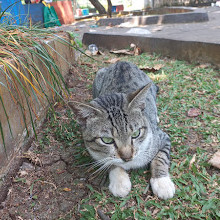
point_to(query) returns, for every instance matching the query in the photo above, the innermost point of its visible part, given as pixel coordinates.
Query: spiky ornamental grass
(22, 50)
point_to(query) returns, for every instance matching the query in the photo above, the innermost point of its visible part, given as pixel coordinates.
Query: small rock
(27, 166)
(58, 166)
(215, 160)
(23, 173)
(50, 159)
(65, 206)
(193, 112)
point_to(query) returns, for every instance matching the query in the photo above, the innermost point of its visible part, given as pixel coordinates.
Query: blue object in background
(114, 8)
(20, 14)
(17, 11)
(36, 12)
(85, 11)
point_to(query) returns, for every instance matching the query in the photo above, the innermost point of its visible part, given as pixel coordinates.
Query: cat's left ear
(137, 99)
(83, 111)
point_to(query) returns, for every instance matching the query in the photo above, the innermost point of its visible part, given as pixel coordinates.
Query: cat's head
(114, 126)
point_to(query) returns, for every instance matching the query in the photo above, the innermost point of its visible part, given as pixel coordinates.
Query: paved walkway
(200, 34)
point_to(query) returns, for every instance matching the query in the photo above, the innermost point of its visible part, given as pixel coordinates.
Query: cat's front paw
(120, 184)
(163, 187)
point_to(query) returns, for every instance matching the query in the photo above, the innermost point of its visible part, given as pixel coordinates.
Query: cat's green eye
(136, 134)
(107, 140)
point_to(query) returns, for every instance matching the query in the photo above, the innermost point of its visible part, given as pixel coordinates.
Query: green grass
(182, 86)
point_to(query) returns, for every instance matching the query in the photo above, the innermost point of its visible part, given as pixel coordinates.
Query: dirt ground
(47, 185)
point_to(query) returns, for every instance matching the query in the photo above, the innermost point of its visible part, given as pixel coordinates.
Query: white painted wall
(128, 4)
(141, 4)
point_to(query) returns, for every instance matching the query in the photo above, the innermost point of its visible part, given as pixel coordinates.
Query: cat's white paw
(120, 184)
(163, 187)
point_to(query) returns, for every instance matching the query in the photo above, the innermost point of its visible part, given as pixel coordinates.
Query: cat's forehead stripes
(113, 105)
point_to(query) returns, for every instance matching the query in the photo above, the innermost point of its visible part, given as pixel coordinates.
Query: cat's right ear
(83, 111)
(138, 98)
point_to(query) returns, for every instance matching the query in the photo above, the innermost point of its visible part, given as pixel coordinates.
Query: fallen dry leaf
(193, 112)
(60, 171)
(114, 60)
(215, 160)
(88, 52)
(87, 64)
(204, 65)
(34, 158)
(66, 189)
(147, 68)
(137, 51)
(123, 51)
(192, 161)
(94, 53)
(155, 211)
(153, 69)
(158, 66)
(188, 77)
(100, 52)
(134, 50)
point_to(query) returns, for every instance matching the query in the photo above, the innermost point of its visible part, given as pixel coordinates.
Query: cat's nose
(126, 153)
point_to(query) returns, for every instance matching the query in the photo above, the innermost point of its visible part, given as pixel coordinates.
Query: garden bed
(21, 108)
(56, 181)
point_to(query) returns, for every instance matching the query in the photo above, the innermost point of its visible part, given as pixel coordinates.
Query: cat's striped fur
(120, 128)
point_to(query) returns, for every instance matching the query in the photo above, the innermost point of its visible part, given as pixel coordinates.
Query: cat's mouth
(125, 159)
(126, 154)
(129, 160)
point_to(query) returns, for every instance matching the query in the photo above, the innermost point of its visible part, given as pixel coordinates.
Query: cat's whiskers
(103, 169)
(87, 164)
(98, 163)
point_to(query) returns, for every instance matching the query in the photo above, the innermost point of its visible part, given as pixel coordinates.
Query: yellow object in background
(46, 5)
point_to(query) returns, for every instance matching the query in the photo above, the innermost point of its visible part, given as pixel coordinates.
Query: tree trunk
(98, 6)
(109, 13)
(74, 6)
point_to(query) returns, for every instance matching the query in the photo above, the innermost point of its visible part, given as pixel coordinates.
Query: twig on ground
(102, 215)
(146, 189)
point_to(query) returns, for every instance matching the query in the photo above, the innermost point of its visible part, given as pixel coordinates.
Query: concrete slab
(191, 15)
(188, 41)
(191, 51)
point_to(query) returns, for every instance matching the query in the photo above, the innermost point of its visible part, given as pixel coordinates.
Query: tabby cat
(120, 128)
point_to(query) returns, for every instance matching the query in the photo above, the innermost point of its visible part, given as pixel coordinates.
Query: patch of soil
(48, 184)
(194, 140)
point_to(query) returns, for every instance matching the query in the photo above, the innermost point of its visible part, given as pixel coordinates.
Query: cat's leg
(120, 184)
(160, 181)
